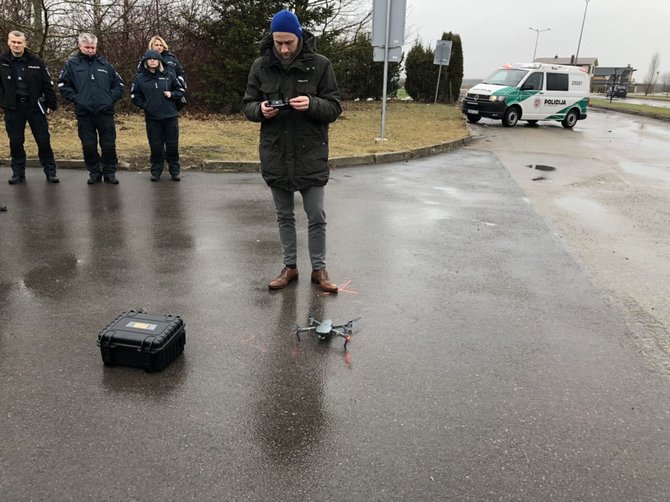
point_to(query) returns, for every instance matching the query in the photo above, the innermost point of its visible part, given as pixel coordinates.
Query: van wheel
(511, 117)
(570, 119)
(473, 119)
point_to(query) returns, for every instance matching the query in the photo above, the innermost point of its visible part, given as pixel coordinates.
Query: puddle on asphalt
(541, 167)
(592, 212)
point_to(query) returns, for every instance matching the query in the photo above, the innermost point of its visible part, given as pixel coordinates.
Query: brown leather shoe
(320, 277)
(285, 276)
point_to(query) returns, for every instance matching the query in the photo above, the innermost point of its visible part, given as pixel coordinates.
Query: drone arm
(347, 326)
(344, 335)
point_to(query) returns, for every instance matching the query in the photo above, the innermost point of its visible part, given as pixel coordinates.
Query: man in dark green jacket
(293, 93)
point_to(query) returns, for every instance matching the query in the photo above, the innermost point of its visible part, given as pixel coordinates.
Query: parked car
(620, 91)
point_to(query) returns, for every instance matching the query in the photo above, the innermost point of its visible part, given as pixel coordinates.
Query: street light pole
(537, 37)
(581, 31)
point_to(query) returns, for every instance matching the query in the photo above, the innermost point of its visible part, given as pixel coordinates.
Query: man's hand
(300, 103)
(267, 111)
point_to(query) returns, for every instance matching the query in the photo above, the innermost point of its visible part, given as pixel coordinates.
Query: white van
(530, 92)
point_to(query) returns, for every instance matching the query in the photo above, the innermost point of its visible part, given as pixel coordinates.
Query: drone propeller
(312, 320)
(348, 327)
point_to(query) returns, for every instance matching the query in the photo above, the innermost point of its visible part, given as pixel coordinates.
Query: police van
(530, 92)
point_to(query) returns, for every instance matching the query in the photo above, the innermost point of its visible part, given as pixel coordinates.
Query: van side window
(557, 81)
(534, 82)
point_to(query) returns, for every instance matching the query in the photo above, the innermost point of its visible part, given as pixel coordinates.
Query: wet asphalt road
(486, 365)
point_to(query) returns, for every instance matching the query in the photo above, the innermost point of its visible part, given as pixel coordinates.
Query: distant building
(605, 76)
(589, 63)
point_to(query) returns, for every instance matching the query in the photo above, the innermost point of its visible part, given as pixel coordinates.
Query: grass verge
(646, 110)
(655, 97)
(232, 138)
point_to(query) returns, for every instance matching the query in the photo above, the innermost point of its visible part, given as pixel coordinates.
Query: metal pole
(386, 66)
(581, 31)
(437, 88)
(537, 38)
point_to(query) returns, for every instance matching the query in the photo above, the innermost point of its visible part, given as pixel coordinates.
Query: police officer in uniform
(157, 91)
(93, 85)
(26, 95)
(170, 61)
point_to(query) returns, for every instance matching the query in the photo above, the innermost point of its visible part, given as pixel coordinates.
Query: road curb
(225, 166)
(631, 112)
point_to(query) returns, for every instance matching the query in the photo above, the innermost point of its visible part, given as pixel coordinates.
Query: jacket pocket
(270, 91)
(313, 156)
(271, 154)
(306, 88)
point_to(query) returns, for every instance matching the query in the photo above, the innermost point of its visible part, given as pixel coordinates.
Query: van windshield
(506, 77)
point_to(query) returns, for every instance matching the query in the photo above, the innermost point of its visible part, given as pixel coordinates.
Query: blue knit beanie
(286, 22)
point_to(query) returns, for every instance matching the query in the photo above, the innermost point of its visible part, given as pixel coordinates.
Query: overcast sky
(495, 32)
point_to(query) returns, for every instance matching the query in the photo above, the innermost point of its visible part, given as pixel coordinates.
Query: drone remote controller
(278, 103)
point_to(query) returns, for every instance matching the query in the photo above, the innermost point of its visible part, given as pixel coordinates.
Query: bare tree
(652, 73)
(124, 27)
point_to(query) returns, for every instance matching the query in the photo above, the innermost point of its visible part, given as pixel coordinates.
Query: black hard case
(141, 340)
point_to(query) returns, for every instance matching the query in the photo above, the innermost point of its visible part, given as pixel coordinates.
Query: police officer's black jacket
(171, 64)
(147, 93)
(293, 145)
(37, 78)
(91, 83)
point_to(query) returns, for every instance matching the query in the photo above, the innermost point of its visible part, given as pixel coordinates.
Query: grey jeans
(312, 202)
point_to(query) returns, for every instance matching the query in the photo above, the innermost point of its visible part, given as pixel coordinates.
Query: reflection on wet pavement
(656, 172)
(54, 278)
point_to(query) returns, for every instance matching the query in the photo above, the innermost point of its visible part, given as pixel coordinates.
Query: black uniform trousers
(163, 136)
(15, 124)
(94, 128)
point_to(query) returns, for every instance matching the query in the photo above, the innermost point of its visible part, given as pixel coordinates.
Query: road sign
(442, 52)
(396, 22)
(395, 54)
